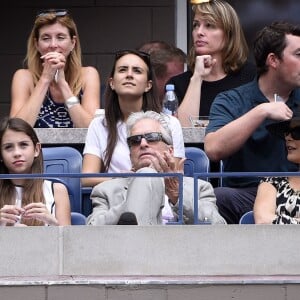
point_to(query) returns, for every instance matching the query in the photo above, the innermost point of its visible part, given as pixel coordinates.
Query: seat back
(247, 218)
(64, 159)
(86, 201)
(196, 162)
(77, 218)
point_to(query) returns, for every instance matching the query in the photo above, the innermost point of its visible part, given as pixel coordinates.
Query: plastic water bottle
(170, 103)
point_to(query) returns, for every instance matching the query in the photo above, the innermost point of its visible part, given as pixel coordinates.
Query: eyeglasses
(294, 132)
(143, 55)
(151, 137)
(56, 12)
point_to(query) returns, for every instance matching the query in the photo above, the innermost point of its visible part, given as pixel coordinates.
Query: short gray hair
(162, 119)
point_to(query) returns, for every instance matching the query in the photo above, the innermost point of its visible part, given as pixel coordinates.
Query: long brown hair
(33, 188)
(113, 112)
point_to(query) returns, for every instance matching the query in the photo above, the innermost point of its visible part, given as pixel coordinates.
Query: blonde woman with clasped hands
(55, 90)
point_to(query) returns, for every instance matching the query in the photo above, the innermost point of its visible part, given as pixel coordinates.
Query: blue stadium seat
(247, 218)
(77, 218)
(64, 159)
(196, 162)
(86, 201)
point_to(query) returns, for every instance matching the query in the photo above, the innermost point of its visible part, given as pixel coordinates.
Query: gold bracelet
(71, 102)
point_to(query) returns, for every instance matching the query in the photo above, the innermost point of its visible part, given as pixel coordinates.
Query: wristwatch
(71, 102)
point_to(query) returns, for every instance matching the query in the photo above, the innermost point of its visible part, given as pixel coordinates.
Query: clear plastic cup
(199, 121)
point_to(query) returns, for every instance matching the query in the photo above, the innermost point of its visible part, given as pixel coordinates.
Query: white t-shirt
(96, 143)
(167, 213)
(48, 195)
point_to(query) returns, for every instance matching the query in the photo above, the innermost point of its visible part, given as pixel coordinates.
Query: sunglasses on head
(143, 55)
(151, 137)
(56, 12)
(294, 132)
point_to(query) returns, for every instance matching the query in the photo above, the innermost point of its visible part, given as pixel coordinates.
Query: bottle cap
(99, 112)
(170, 87)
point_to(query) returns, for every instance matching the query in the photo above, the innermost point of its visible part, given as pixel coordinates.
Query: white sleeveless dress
(48, 194)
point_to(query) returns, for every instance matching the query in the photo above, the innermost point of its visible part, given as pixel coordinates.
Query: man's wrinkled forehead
(145, 126)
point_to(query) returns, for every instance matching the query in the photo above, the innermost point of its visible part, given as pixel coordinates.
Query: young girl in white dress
(34, 201)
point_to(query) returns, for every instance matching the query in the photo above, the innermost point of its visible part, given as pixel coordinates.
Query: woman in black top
(217, 60)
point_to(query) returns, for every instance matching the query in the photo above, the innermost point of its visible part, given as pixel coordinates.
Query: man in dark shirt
(237, 132)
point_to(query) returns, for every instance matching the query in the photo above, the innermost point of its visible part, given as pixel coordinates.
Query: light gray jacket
(109, 202)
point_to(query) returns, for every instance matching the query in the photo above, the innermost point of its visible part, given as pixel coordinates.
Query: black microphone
(127, 218)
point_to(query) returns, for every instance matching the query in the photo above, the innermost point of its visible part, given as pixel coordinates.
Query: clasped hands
(54, 64)
(11, 214)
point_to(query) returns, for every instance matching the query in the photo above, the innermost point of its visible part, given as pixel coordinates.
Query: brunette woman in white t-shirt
(130, 88)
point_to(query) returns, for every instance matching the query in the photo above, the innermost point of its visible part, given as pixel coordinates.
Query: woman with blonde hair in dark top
(55, 90)
(217, 59)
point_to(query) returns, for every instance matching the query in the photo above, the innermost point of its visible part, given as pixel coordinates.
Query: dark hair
(160, 58)
(33, 188)
(154, 45)
(272, 39)
(113, 112)
(19, 125)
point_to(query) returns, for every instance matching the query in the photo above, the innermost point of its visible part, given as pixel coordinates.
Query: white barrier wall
(174, 250)
(225, 262)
